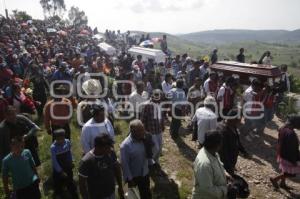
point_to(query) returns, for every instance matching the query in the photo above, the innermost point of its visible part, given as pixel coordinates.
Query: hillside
(233, 36)
(282, 53)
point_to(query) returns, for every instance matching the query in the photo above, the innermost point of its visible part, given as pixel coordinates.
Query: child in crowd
(62, 163)
(19, 164)
(288, 152)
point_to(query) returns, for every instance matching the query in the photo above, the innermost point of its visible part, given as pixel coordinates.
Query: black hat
(103, 140)
(59, 132)
(60, 87)
(96, 108)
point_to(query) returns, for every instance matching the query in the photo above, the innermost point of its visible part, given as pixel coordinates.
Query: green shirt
(20, 168)
(210, 179)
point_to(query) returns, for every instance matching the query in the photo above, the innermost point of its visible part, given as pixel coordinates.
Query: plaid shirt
(151, 116)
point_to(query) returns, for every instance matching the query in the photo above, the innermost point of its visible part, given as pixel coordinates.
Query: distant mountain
(235, 36)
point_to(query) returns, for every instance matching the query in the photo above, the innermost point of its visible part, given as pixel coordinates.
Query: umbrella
(146, 43)
(62, 33)
(82, 35)
(84, 32)
(51, 30)
(24, 24)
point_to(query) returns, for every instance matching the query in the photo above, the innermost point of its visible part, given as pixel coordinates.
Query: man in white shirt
(252, 98)
(137, 74)
(167, 84)
(225, 96)
(138, 61)
(267, 59)
(211, 84)
(96, 126)
(204, 70)
(206, 119)
(138, 96)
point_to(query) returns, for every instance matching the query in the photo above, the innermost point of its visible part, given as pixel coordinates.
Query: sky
(177, 16)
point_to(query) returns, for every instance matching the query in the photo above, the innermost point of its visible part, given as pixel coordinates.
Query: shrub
(295, 84)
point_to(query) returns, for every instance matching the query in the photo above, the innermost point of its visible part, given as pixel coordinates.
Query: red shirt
(3, 106)
(5, 75)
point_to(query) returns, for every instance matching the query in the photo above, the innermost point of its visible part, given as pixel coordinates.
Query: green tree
(53, 7)
(21, 15)
(55, 19)
(77, 17)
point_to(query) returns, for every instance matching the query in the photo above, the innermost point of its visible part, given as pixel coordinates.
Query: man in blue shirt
(177, 95)
(62, 73)
(176, 65)
(20, 166)
(62, 163)
(134, 160)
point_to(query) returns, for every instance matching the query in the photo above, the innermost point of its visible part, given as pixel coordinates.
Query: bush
(287, 107)
(295, 84)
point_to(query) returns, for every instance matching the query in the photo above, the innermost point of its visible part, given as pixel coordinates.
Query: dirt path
(176, 180)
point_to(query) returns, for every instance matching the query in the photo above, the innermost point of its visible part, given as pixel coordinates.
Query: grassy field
(162, 186)
(45, 141)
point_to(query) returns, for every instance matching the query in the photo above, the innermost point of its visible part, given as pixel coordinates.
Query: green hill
(233, 36)
(282, 53)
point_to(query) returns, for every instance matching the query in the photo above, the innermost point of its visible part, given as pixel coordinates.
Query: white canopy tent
(148, 53)
(108, 49)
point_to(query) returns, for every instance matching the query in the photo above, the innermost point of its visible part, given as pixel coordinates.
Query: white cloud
(178, 16)
(141, 6)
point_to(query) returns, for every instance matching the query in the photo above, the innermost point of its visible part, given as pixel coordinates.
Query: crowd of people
(52, 75)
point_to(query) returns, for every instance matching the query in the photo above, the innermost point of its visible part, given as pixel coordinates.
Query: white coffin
(108, 49)
(148, 53)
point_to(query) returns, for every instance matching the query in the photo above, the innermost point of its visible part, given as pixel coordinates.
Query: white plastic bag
(133, 193)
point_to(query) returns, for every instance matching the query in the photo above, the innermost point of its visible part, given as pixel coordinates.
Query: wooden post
(6, 13)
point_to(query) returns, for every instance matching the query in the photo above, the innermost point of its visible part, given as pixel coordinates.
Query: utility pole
(5, 8)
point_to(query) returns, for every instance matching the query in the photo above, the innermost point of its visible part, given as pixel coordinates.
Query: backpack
(239, 188)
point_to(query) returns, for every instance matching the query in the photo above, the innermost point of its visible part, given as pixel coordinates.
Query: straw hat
(209, 100)
(92, 87)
